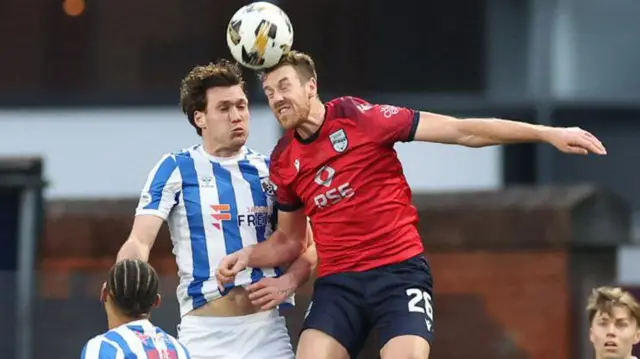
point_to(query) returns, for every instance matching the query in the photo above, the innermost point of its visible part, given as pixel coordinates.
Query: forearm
(476, 132)
(277, 250)
(301, 269)
(133, 249)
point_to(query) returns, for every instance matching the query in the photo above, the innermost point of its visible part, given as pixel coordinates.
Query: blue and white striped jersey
(214, 207)
(139, 339)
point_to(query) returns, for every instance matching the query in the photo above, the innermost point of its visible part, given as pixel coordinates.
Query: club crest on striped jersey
(268, 187)
(339, 140)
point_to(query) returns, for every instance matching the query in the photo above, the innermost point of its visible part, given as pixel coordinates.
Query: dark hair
(301, 62)
(193, 89)
(133, 285)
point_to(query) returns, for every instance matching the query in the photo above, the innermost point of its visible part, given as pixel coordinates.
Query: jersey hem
(152, 212)
(289, 207)
(370, 266)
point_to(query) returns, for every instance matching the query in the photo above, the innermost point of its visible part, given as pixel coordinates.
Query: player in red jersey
(336, 164)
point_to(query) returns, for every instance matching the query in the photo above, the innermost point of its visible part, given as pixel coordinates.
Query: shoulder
(349, 107)
(279, 151)
(100, 347)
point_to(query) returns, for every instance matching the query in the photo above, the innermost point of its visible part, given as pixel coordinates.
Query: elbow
(473, 141)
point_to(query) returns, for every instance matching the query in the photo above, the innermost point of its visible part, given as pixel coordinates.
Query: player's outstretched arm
(479, 132)
(143, 235)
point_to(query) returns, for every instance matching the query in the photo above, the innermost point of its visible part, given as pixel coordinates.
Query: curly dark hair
(193, 89)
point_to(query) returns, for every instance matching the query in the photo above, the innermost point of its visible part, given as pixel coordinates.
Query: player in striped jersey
(217, 199)
(128, 295)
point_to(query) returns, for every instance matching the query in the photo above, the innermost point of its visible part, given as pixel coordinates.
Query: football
(259, 34)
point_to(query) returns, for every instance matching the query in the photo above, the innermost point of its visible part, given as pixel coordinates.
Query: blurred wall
(108, 153)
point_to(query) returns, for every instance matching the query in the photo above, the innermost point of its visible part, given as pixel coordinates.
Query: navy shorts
(392, 300)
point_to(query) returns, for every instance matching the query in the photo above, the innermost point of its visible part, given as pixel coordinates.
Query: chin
(288, 123)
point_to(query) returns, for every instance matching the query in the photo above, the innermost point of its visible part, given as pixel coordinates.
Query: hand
(574, 140)
(268, 293)
(230, 266)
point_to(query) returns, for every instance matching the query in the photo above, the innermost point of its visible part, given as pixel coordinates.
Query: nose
(276, 97)
(234, 115)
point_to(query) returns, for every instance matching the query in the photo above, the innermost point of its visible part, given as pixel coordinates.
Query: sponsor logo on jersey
(220, 212)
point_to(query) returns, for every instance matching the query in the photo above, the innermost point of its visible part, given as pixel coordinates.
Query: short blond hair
(604, 299)
(301, 62)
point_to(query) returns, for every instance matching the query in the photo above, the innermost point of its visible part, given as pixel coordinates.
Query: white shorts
(262, 335)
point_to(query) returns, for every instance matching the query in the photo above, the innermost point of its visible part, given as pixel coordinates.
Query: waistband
(230, 321)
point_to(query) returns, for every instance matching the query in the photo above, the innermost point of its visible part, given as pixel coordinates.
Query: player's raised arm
(156, 201)
(481, 132)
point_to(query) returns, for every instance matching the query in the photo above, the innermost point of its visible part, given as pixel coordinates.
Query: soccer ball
(259, 34)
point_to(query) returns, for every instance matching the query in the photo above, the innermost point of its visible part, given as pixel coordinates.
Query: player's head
(290, 87)
(614, 315)
(131, 290)
(214, 100)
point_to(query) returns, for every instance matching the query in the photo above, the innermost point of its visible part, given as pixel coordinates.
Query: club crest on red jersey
(339, 140)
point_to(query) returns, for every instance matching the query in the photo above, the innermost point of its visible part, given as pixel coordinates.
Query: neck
(116, 319)
(312, 123)
(218, 150)
(629, 356)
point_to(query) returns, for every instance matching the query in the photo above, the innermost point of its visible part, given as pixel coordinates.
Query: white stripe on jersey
(139, 339)
(214, 207)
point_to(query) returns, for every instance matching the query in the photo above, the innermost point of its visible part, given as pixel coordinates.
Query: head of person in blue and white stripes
(130, 292)
(214, 100)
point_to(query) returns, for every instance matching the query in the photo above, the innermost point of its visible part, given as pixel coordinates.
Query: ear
(157, 302)
(636, 339)
(591, 336)
(104, 293)
(312, 87)
(200, 119)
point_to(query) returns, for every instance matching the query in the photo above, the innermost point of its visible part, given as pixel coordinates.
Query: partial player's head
(214, 100)
(614, 315)
(290, 87)
(131, 290)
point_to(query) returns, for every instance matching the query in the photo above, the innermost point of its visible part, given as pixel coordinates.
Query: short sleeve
(286, 198)
(161, 192)
(387, 124)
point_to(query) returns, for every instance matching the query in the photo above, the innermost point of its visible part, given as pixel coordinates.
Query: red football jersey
(349, 180)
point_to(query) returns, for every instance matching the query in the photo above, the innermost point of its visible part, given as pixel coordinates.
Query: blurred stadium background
(517, 235)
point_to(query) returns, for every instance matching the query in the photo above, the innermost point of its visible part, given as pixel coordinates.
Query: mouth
(610, 345)
(283, 109)
(237, 130)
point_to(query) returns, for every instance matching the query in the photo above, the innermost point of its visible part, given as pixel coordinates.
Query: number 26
(415, 296)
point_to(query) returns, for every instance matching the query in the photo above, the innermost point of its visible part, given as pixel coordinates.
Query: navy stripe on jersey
(160, 179)
(118, 340)
(200, 257)
(251, 175)
(106, 351)
(230, 229)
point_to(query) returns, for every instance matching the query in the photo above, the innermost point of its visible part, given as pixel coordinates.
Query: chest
(238, 193)
(332, 170)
